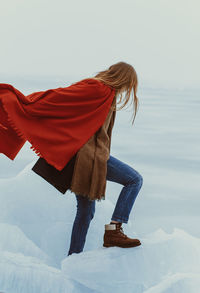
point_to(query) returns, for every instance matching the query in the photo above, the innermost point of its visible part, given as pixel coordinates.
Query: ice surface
(20, 274)
(164, 263)
(36, 220)
(14, 240)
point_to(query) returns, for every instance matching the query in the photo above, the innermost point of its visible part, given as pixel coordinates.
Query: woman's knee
(140, 179)
(136, 178)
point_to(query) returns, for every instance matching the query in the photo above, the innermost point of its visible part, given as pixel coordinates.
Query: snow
(161, 263)
(36, 220)
(21, 273)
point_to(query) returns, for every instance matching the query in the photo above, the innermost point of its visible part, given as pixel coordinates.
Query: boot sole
(122, 246)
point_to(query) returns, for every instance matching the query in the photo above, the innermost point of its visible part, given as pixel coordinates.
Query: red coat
(57, 122)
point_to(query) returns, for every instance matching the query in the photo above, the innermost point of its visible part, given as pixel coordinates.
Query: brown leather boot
(114, 236)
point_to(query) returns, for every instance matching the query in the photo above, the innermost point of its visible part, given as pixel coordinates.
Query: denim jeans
(118, 172)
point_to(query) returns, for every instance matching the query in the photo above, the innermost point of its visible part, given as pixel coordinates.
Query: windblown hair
(123, 77)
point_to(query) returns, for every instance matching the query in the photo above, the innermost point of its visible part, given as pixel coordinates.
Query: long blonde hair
(123, 78)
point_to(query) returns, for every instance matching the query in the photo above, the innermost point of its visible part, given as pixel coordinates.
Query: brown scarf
(89, 175)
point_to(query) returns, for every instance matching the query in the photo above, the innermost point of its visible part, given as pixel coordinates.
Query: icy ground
(36, 220)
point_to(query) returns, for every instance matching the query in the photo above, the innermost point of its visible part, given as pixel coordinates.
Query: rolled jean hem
(119, 220)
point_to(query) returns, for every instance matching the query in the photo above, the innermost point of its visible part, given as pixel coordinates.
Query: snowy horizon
(161, 39)
(50, 81)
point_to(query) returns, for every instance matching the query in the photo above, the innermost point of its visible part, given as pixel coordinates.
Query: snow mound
(35, 230)
(14, 240)
(164, 263)
(184, 283)
(23, 274)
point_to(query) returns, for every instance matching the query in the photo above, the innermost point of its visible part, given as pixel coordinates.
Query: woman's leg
(84, 215)
(119, 172)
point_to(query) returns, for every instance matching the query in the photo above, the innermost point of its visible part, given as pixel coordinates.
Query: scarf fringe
(3, 127)
(101, 197)
(22, 136)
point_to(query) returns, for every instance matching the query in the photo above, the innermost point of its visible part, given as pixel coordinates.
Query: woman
(70, 129)
(123, 78)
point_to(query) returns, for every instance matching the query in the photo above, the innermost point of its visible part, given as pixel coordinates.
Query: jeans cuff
(123, 220)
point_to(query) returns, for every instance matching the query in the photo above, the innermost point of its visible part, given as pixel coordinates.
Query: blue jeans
(119, 172)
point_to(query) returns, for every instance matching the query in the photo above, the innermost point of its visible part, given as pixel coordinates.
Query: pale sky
(160, 38)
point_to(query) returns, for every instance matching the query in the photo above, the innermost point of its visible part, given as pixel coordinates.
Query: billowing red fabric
(56, 122)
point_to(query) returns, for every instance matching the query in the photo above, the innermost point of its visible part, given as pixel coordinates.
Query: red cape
(56, 122)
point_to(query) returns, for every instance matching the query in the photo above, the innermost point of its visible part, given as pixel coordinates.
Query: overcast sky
(160, 38)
